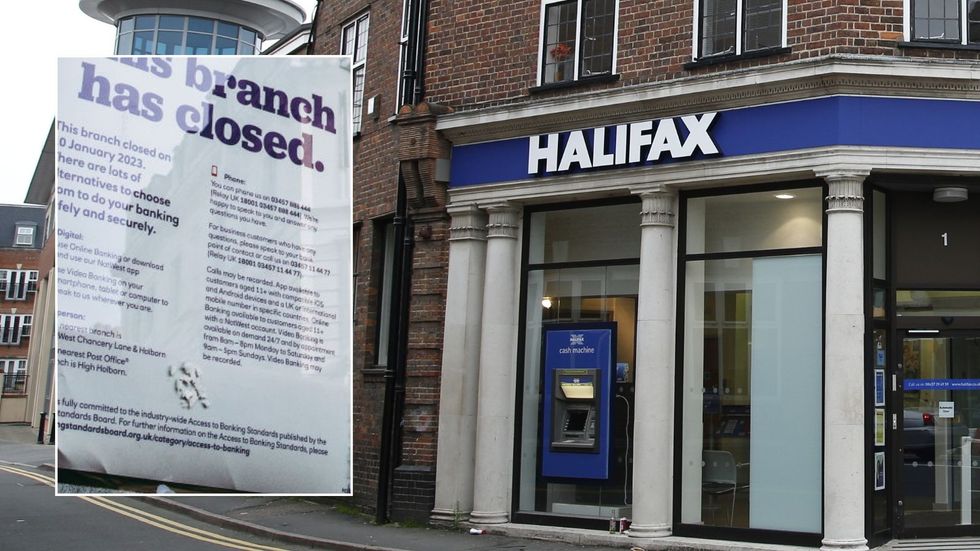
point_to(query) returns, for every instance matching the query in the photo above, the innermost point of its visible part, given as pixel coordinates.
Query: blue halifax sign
(795, 125)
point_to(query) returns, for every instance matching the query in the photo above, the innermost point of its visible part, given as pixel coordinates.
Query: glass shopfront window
(752, 361)
(582, 271)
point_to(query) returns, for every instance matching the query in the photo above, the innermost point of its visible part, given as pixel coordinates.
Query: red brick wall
(375, 188)
(486, 53)
(9, 259)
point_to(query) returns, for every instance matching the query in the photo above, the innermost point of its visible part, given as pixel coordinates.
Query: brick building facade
(610, 160)
(394, 141)
(21, 234)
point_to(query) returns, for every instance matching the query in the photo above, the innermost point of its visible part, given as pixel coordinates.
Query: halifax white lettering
(634, 143)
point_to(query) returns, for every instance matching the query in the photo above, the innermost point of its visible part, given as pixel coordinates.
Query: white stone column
(460, 364)
(843, 445)
(653, 435)
(498, 357)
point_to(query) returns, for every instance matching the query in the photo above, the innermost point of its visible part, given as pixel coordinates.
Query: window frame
(11, 281)
(402, 47)
(696, 38)
(683, 257)
(242, 46)
(382, 280)
(577, 54)
(357, 67)
(13, 368)
(528, 266)
(19, 328)
(963, 16)
(22, 230)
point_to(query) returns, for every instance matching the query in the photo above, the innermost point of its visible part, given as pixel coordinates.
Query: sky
(33, 44)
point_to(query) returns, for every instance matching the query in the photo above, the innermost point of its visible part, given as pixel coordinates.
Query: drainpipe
(395, 371)
(312, 41)
(397, 352)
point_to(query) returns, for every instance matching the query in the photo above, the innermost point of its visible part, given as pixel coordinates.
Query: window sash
(14, 373)
(734, 27)
(17, 284)
(25, 235)
(762, 24)
(402, 52)
(178, 34)
(14, 327)
(578, 39)
(944, 21)
(354, 40)
(598, 36)
(384, 308)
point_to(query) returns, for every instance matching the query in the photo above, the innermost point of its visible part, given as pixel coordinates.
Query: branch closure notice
(203, 263)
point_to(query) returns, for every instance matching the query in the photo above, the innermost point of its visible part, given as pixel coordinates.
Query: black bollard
(51, 438)
(40, 429)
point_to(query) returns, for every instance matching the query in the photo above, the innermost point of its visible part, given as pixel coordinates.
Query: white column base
(848, 545)
(484, 517)
(649, 531)
(448, 516)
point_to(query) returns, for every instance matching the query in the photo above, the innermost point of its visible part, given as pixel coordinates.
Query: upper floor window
(25, 235)
(403, 60)
(355, 40)
(954, 21)
(14, 327)
(578, 39)
(734, 27)
(16, 284)
(14, 373)
(180, 35)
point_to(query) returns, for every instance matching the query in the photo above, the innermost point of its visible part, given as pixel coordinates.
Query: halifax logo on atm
(576, 421)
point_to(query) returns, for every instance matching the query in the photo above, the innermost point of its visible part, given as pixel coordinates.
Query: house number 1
(945, 239)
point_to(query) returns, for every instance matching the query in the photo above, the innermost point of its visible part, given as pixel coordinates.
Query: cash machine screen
(577, 389)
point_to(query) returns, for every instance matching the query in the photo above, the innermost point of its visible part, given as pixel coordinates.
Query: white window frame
(578, 38)
(739, 10)
(357, 66)
(402, 46)
(12, 366)
(908, 19)
(20, 328)
(17, 284)
(25, 230)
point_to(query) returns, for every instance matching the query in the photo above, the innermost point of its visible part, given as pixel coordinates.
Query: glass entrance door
(938, 414)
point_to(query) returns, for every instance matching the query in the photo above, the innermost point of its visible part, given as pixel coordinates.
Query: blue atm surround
(590, 349)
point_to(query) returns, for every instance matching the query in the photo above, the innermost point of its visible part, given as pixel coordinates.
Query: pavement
(328, 523)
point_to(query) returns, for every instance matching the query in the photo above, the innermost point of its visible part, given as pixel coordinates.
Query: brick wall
(486, 53)
(28, 260)
(376, 169)
(414, 488)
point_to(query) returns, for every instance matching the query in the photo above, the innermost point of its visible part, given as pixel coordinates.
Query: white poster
(204, 241)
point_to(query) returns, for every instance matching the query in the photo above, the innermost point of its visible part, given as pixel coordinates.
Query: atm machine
(578, 384)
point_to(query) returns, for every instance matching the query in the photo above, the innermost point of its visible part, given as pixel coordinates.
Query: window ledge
(586, 81)
(715, 60)
(921, 44)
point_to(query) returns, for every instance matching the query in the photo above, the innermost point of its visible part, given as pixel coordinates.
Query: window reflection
(177, 34)
(752, 357)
